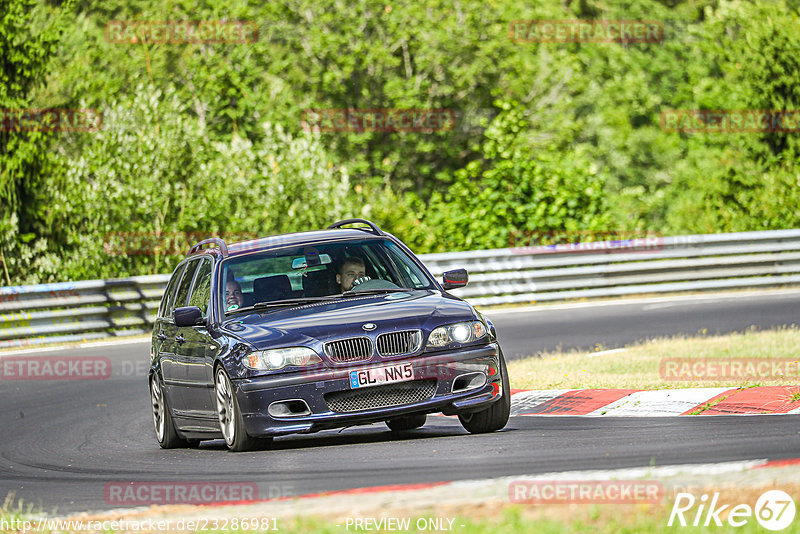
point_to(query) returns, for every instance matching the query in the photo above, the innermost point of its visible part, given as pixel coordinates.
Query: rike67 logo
(774, 510)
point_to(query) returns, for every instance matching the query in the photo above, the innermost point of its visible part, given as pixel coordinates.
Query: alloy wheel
(225, 409)
(157, 398)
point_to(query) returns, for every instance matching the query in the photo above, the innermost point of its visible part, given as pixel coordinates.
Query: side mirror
(455, 279)
(188, 316)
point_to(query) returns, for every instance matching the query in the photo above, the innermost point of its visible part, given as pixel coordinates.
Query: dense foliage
(209, 139)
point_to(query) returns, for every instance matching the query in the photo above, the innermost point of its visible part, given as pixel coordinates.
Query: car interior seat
(320, 283)
(269, 288)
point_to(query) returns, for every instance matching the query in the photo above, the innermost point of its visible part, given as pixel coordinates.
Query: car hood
(313, 324)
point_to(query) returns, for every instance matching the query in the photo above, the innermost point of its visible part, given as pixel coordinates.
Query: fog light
(289, 408)
(468, 381)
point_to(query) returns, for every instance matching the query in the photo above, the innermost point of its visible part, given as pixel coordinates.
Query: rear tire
(409, 422)
(166, 434)
(231, 422)
(495, 416)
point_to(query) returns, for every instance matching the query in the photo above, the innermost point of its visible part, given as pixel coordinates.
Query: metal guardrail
(73, 311)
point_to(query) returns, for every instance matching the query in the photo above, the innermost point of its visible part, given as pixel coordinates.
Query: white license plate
(381, 375)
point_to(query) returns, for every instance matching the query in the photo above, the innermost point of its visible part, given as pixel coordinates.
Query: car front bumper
(453, 381)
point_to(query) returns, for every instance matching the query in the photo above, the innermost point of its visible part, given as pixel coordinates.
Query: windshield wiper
(282, 303)
(309, 300)
(354, 293)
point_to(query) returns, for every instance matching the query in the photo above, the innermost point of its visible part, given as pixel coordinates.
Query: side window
(414, 278)
(408, 270)
(374, 261)
(166, 301)
(186, 283)
(201, 293)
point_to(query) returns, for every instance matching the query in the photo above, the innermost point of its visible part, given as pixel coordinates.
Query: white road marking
(604, 352)
(660, 402)
(87, 345)
(672, 300)
(662, 471)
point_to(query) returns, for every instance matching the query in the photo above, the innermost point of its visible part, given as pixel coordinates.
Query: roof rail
(372, 226)
(223, 247)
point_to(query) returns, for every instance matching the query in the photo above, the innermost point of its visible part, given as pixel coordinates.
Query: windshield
(334, 270)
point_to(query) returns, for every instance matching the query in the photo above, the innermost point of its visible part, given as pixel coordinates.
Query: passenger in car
(350, 269)
(233, 295)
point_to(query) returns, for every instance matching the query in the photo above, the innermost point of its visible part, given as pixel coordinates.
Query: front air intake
(355, 349)
(399, 343)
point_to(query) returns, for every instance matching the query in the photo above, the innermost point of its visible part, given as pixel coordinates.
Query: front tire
(409, 422)
(495, 416)
(231, 422)
(166, 434)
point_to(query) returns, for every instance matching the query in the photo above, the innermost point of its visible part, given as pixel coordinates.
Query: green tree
(208, 137)
(521, 187)
(742, 181)
(174, 186)
(29, 34)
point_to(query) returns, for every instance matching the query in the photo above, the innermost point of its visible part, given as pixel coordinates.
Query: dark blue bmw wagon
(309, 331)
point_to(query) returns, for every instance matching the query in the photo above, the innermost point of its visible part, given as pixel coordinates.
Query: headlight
(274, 359)
(456, 333)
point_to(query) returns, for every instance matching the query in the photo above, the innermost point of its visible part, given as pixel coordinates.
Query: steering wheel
(365, 283)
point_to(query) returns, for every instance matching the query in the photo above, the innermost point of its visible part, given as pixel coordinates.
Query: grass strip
(640, 366)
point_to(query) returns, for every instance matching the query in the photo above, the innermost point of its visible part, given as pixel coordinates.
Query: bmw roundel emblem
(369, 326)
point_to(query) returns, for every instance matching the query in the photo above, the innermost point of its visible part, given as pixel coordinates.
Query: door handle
(161, 337)
(180, 339)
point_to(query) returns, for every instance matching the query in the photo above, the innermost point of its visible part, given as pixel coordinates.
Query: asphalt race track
(62, 442)
(585, 326)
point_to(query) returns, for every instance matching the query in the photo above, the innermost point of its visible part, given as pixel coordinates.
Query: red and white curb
(657, 472)
(377, 500)
(662, 402)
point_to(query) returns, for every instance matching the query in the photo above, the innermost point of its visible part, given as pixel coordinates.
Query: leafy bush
(207, 138)
(518, 189)
(152, 174)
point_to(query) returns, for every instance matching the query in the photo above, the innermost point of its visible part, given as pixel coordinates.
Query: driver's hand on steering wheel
(361, 280)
